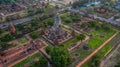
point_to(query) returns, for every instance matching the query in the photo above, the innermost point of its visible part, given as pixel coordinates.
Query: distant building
(100, 10)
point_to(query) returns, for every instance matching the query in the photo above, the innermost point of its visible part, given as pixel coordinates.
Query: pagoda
(56, 34)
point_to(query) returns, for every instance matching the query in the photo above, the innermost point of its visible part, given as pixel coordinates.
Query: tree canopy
(81, 37)
(60, 57)
(34, 35)
(41, 63)
(7, 1)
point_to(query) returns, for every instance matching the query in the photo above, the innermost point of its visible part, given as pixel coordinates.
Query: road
(94, 52)
(5, 25)
(19, 21)
(94, 16)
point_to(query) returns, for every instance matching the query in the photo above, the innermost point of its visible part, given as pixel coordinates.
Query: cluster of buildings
(14, 55)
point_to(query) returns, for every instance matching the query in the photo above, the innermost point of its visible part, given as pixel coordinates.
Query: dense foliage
(7, 1)
(34, 35)
(60, 57)
(95, 61)
(41, 63)
(48, 49)
(81, 37)
(118, 64)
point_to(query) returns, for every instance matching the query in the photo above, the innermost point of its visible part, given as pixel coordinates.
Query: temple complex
(56, 34)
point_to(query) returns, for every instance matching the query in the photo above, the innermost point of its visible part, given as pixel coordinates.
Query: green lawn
(21, 64)
(73, 41)
(93, 43)
(24, 40)
(96, 41)
(65, 14)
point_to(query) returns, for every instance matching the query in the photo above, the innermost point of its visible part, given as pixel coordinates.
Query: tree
(93, 23)
(1, 30)
(68, 20)
(31, 12)
(81, 37)
(60, 56)
(49, 21)
(118, 64)
(3, 45)
(106, 27)
(7, 1)
(41, 63)
(48, 49)
(7, 37)
(39, 10)
(85, 25)
(95, 61)
(34, 35)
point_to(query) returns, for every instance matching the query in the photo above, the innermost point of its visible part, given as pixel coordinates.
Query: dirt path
(93, 53)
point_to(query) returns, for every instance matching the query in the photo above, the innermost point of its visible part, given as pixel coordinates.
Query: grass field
(96, 41)
(93, 43)
(73, 41)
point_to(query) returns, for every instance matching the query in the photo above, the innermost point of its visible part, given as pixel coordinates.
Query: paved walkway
(93, 53)
(94, 16)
